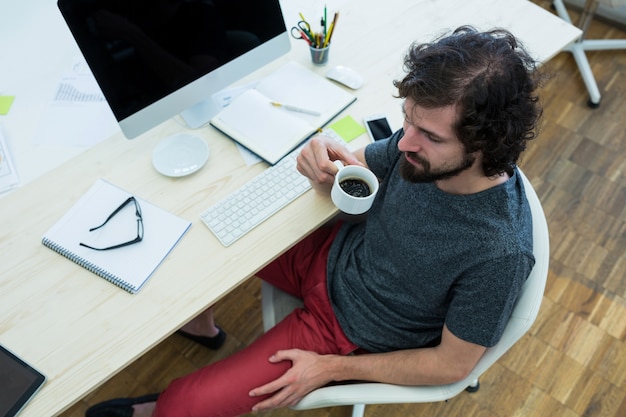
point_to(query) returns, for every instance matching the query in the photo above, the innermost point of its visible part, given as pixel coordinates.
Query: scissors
(302, 31)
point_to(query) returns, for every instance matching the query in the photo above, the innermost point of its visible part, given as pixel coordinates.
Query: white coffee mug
(361, 185)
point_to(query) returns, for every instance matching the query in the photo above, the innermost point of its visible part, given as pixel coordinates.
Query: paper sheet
(78, 114)
(348, 128)
(5, 104)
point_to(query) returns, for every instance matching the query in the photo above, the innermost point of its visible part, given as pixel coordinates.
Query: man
(427, 282)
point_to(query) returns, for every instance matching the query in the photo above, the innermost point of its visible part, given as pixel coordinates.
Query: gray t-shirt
(425, 257)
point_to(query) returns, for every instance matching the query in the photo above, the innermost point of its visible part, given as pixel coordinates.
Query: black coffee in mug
(356, 187)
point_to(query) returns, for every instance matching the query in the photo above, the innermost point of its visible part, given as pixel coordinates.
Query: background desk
(79, 329)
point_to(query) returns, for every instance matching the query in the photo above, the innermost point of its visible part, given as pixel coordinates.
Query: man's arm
(450, 361)
(315, 161)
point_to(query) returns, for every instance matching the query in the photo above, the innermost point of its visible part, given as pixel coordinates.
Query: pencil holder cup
(319, 56)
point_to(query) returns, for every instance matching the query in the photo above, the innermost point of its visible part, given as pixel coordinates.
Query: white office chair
(277, 304)
(577, 49)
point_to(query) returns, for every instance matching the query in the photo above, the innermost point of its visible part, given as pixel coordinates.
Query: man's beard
(413, 173)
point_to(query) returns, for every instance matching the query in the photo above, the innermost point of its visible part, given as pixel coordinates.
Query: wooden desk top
(78, 329)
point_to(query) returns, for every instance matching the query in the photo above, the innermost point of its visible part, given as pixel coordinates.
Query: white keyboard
(257, 200)
(245, 208)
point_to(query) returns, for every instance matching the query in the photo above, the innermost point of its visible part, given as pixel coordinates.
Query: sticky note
(348, 128)
(5, 104)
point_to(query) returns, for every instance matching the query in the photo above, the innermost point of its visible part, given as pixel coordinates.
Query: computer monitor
(154, 59)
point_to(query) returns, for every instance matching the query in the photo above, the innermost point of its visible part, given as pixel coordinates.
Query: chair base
(578, 48)
(474, 387)
(592, 105)
(358, 410)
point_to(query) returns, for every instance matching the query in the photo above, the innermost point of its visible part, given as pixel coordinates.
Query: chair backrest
(529, 301)
(522, 318)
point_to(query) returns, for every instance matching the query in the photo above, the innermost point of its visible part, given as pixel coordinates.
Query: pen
(327, 39)
(325, 22)
(296, 109)
(332, 28)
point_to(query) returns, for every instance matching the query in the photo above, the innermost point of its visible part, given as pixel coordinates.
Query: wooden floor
(573, 361)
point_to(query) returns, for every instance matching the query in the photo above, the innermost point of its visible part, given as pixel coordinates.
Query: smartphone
(377, 126)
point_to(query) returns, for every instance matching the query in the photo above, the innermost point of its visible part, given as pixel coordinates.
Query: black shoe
(119, 407)
(214, 342)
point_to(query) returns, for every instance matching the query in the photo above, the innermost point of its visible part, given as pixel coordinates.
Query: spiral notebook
(130, 266)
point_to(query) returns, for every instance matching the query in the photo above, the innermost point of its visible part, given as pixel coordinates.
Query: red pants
(221, 389)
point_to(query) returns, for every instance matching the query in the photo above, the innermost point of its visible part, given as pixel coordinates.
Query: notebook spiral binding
(87, 265)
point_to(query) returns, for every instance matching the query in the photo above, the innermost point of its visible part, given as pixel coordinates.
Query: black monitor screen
(142, 50)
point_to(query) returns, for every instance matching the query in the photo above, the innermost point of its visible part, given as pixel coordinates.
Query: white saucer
(180, 155)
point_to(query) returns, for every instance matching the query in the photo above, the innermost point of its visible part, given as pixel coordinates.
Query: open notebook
(128, 267)
(272, 132)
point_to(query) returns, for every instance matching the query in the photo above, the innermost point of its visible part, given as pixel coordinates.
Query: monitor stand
(200, 114)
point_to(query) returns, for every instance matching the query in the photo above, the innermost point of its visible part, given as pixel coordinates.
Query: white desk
(79, 329)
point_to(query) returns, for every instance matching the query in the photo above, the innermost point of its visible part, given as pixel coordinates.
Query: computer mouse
(346, 76)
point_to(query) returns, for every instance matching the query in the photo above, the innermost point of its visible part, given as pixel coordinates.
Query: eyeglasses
(117, 210)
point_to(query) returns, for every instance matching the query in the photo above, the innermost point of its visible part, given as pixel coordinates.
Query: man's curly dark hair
(491, 78)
